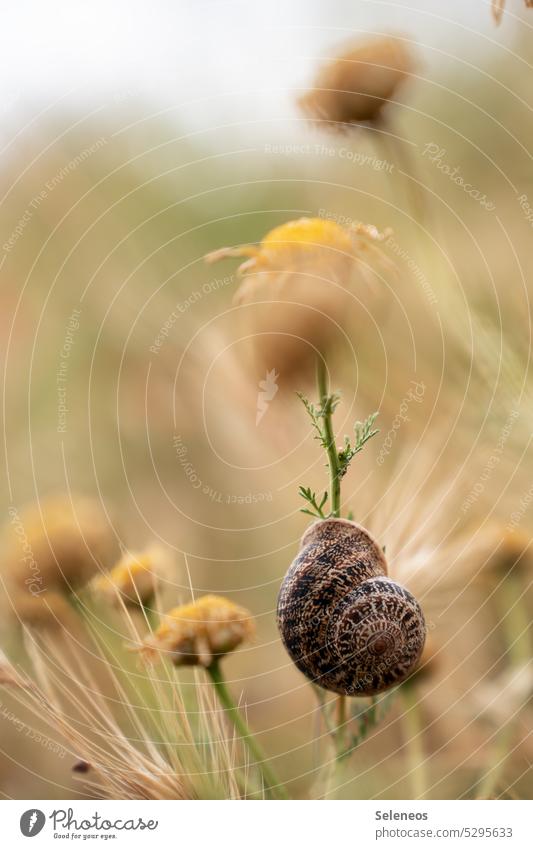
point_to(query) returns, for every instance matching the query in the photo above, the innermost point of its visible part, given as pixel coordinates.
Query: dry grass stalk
(133, 737)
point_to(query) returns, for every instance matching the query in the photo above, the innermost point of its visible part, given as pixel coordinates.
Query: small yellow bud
(134, 578)
(195, 634)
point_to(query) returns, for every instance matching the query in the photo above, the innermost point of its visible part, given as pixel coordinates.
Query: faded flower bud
(505, 551)
(50, 548)
(49, 611)
(354, 87)
(498, 7)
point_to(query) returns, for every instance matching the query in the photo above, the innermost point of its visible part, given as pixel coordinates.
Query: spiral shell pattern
(345, 624)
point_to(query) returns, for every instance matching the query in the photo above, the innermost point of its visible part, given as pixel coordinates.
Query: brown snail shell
(346, 625)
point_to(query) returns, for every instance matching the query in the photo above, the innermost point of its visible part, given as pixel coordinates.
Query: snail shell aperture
(345, 624)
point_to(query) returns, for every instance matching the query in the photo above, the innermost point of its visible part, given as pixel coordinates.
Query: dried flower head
(354, 87)
(50, 548)
(134, 579)
(297, 290)
(49, 611)
(197, 633)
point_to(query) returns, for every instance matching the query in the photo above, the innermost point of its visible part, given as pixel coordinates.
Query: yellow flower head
(134, 578)
(299, 243)
(197, 633)
(356, 85)
(296, 293)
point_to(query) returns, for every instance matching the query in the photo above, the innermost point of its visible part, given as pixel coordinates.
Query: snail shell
(345, 624)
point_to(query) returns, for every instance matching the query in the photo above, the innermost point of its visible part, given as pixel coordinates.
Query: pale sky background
(173, 51)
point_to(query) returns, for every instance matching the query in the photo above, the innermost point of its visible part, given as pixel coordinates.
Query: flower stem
(329, 436)
(516, 624)
(271, 781)
(341, 725)
(515, 621)
(150, 615)
(413, 741)
(488, 783)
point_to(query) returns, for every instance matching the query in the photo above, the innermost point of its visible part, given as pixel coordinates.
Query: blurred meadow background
(137, 138)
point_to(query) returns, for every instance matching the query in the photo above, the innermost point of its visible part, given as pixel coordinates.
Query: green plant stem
(272, 783)
(331, 448)
(413, 741)
(341, 725)
(150, 615)
(516, 625)
(400, 154)
(367, 720)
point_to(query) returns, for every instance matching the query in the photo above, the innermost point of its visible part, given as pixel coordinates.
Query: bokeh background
(136, 138)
